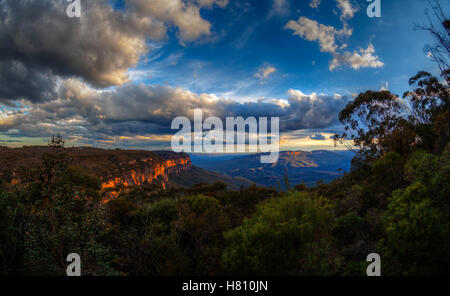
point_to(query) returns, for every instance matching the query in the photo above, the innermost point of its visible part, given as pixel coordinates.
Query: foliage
(368, 119)
(11, 235)
(200, 225)
(417, 234)
(286, 236)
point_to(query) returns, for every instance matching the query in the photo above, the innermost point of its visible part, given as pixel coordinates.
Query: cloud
(311, 111)
(315, 3)
(317, 137)
(74, 47)
(209, 3)
(311, 30)
(185, 15)
(365, 58)
(265, 71)
(100, 46)
(11, 141)
(18, 82)
(305, 140)
(279, 8)
(347, 10)
(330, 41)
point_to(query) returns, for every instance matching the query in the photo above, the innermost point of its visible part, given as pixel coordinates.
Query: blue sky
(119, 74)
(250, 36)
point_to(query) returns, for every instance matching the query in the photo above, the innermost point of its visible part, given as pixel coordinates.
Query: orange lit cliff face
(144, 171)
(119, 169)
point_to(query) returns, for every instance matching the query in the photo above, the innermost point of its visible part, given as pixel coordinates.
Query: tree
(64, 216)
(200, 225)
(417, 234)
(286, 236)
(144, 238)
(12, 222)
(368, 120)
(433, 172)
(439, 28)
(429, 111)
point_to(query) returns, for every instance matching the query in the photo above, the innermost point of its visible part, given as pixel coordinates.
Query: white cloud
(315, 3)
(347, 10)
(311, 30)
(185, 15)
(330, 41)
(279, 7)
(265, 71)
(365, 58)
(208, 3)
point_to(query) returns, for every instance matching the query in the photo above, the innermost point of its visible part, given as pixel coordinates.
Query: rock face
(156, 168)
(114, 167)
(140, 173)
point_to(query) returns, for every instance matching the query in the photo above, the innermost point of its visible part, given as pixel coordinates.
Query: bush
(286, 236)
(417, 234)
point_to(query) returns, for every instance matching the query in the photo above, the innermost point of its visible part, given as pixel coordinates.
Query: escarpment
(117, 169)
(147, 170)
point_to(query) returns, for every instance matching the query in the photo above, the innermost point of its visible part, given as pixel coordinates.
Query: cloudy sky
(118, 75)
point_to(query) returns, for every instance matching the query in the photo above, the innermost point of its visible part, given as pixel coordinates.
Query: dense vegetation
(395, 201)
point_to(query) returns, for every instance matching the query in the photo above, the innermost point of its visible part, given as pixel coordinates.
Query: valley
(298, 166)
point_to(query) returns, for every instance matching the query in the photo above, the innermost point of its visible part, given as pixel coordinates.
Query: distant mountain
(299, 166)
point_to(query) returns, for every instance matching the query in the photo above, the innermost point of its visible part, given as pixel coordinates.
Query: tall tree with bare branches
(439, 27)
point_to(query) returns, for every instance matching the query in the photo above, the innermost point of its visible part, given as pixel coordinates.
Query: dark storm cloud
(312, 111)
(318, 137)
(19, 82)
(98, 47)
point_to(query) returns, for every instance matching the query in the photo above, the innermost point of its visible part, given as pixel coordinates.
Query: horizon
(170, 150)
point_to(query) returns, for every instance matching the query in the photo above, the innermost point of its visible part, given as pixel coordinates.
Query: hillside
(196, 175)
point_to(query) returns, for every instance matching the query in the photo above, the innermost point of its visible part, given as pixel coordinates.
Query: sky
(117, 76)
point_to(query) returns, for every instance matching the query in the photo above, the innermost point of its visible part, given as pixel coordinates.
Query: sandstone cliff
(114, 167)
